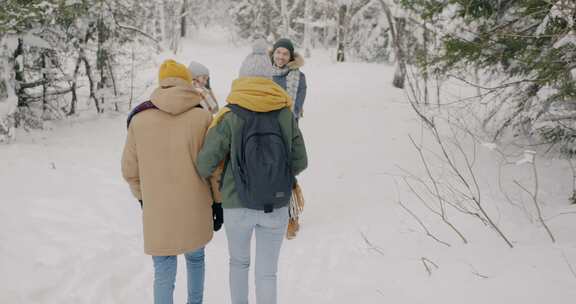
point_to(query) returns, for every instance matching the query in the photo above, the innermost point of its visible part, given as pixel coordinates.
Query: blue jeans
(270, 229)
(165, 277)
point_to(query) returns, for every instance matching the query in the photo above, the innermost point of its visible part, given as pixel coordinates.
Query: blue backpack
(261, 167)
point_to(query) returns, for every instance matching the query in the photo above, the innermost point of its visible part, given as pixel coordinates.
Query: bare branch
(427, 263)
(274, 5)
(294, 7)
(502, 86)
(477, 273)
(133, 29)
(422, 225)
(437, 191)
(560, 214)
(535, 200)
(477, 199)
(370, 245)
(420, 197)
(520, 206)
(569, 265)
(573, 199)
(559, 117)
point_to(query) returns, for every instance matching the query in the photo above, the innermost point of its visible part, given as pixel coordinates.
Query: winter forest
(441, 139)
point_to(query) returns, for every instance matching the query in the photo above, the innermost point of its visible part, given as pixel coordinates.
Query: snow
(564, 9)
(8, 105)
(35, 41)
(491, 146)
(528, 158)
(542, 26)
(8, 98)
(561, 9)
(569, 38)
(70, 231)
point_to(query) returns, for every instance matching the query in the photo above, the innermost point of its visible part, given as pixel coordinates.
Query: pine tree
(528, 51)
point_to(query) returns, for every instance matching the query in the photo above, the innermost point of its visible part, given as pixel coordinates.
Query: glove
(217, 215)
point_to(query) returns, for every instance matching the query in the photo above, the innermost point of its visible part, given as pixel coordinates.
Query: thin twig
(573, 198)
(475, 199)
(476, 273)
(435, 184)
(414, 215)
(426, 261)
(537, 205)
(372, 246)
(422, 225)
(569, 265)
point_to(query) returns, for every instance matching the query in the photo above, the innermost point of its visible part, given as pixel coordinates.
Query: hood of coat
(175, 96)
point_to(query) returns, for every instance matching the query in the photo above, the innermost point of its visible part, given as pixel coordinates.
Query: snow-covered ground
(70, 232)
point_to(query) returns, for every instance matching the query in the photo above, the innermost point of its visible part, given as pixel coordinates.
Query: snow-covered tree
(527, 52)
(270, 18)
(49, 45)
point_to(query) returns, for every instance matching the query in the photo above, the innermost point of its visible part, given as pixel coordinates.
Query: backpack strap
(146, 105)
(245, 114)
(139, 108)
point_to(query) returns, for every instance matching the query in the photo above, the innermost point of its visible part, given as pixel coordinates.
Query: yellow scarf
(255, 94)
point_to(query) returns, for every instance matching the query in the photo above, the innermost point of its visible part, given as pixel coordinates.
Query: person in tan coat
(164, 137)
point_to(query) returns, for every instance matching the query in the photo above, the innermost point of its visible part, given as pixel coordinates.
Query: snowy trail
(70, 232)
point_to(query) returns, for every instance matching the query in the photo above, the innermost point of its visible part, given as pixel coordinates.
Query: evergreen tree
(527, 51)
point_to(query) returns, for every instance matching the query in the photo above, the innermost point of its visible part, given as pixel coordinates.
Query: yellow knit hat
(171, 68)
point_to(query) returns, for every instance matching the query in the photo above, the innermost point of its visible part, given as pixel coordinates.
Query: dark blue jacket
(300, 93)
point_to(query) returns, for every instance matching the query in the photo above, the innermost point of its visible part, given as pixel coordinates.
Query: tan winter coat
(158, 163)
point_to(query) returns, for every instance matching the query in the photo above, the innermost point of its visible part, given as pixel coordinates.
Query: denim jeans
(165, 277)
(270, 229)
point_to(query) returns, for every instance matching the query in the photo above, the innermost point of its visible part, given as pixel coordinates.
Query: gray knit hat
(258, 63)
(198, 69)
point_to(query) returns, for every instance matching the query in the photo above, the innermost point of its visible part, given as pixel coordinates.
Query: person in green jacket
(255, 91)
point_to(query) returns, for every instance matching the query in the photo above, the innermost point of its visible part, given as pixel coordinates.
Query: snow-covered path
(70, 232)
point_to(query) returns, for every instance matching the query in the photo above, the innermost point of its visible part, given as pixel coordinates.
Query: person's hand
(217, 215)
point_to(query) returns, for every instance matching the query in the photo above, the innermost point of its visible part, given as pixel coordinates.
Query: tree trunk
(400, 76)
(396, 33)
(19, 69)
(131, 79)
(88, 69)
(426, 39)
(325, 30)
(341, 33)
(173, 24)
(284, 15)
(44, 84)
(77, 70)
(307, 26)
(183, 17)
(111, 73)
(102, 58)
(160, 21)
(18, 61)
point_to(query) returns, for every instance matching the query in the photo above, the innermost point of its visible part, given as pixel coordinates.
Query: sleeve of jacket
(216, 147)
(211, 99)
(130, 169)
(300, 96)
(299, 155)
